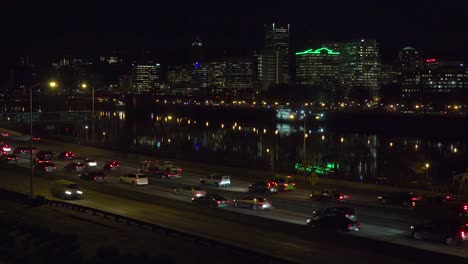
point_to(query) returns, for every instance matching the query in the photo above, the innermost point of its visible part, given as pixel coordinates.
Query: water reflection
(278, 146)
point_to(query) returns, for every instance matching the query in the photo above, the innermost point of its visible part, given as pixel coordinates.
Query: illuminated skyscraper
(146, 76)
(361, 65)
(273, 60)
(318, 67)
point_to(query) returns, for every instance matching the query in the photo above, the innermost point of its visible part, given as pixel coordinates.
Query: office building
(272, 62)
(361, 65)
(146, 76)
(239, 73)
(319, 67)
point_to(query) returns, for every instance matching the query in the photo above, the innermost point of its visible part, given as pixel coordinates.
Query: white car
(89, 162)
(216, 180)
(134, 178)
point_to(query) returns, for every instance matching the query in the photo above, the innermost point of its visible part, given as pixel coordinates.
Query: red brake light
(198, 193)
(341, 197)
(415, 198)
(294, 184)
(462, 234)
(465, 207)
(218, 202)
(261, 203)
(9, 158)
(95, 178)
(286, 184)
(227, 201)
(447, 197)
(111, 165)
(180, 169)
(66, 154)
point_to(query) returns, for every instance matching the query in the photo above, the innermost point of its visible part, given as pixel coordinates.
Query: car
(161, 169)
(347, 212)
(285, 183)
(216, 180)
(9, 159)
(35, 138)
(39, 161)
(89, 162)
(66, 155)
(5, 147)
(211, 200)
(75, 166)
(335, 222)
(399, 198)
(45, 155)
(330, 195)
(134, 178)
(96, 176)
(191, 191)
(264, 187)
(111, 165)
(5, 134)
(435, 206)
(449, 231)
(25, 150)
(45, 167)
(254, 203)
(66, 190)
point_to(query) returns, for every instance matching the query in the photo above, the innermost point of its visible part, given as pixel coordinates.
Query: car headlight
(79, 192)
(412, 227)
(308, 220)
(67, 192)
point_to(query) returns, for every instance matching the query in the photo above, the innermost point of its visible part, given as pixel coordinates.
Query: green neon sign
(320, 170)
(318, 51)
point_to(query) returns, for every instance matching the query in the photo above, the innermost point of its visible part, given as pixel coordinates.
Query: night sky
(44, 29)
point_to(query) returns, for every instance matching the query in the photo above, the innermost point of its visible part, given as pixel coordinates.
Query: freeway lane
(379, 223)
(295, 242)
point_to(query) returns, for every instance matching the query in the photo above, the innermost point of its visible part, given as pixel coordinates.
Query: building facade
(146, 76)
(318, 67)
(273, 61)
(361, 65)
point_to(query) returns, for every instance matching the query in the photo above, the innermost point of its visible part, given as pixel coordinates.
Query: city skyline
(105, 27)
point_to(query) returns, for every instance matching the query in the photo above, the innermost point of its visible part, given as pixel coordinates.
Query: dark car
(399, 198)
(264, 187)
(336, 223)
(66, 155)
(212, 200)
(330, 195)
(435, 206)
(347, 212)
(44, 155)
(450, 232)
(24, 150)
(97, 176)
(9, 159)
(45, 167)
(111, 165)
(75, 166)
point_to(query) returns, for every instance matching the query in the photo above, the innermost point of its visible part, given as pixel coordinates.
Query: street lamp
(52, 85)
(85, 86)
(304, 145)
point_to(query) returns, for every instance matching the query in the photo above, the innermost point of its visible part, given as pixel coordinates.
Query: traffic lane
(193, 177)
(253, 235)
(376, 216)
(378, 233)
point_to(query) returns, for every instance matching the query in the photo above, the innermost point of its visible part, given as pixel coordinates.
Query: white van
(66, 190)
(216, 180)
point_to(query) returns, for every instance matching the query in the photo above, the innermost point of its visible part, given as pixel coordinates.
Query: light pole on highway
(52, 85)
(84, 86)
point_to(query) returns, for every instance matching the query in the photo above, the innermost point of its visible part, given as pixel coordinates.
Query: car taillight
(111, 165)
(462, 233)
(415, 198)
(218, 202)
(261, 203)
(180, 169)
(341, 197)
(95, 178)
(285, 185)
(9, 158)
(294, 184)
(198, 193)
(227, 201)
(465, 207)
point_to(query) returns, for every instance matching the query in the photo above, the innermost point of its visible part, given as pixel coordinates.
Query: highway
(293, 239)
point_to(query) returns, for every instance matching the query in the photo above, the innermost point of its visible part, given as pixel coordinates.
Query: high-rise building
(443, 77)
(200, 76)
(179, 76)
(273, 60)
(318, 67)
(146, 76)
(361, 65)
(217, 74)
(239, 73)
(408, 67)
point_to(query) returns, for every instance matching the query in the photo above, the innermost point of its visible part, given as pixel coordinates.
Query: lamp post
(52, 85)
(84, 86)
(304, 145)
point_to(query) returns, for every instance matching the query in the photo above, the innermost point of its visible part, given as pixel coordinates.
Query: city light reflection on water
(361, 156)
